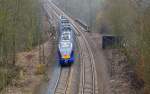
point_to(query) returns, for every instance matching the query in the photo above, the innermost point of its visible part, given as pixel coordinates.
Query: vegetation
(19, 31)
(131, 20)
(80, 8)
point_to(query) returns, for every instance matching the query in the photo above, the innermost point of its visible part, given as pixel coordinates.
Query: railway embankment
(123, 77)
(31, 73)
(115, 74)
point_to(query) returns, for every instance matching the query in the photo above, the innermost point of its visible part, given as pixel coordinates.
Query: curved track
(88, 77)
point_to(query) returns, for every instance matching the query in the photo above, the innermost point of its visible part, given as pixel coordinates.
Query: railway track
(63, 82)
(88, 75)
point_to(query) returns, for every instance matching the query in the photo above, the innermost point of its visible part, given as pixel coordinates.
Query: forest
(131, 20)
(20, 30)
(85, 10)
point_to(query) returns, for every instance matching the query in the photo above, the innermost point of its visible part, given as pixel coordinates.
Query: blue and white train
(66, 42)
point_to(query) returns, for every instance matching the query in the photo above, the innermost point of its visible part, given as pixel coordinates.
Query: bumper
(63, 61)
(66, 61)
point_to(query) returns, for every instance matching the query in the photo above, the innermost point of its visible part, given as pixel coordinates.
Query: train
(66, 42)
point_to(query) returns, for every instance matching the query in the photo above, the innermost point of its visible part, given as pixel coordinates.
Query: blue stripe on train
(66, 61)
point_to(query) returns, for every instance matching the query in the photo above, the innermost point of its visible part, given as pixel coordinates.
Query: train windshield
(65, 45)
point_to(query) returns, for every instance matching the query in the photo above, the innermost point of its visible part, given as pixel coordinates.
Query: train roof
(64, 19)
(66, 36)
(67, 28)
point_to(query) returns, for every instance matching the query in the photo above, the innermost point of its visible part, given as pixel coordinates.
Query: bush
(40, 68)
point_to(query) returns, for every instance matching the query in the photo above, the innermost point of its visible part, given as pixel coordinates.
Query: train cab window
(65, 44)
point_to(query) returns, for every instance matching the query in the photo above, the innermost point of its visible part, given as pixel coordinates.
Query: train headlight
(66, 56)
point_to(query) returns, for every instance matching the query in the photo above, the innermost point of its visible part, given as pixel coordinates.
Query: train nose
(66, 59)
(66, 56)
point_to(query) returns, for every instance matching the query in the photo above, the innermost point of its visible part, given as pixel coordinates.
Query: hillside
(131, 20)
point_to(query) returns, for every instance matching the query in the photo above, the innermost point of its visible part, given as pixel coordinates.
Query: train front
(66, 53)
